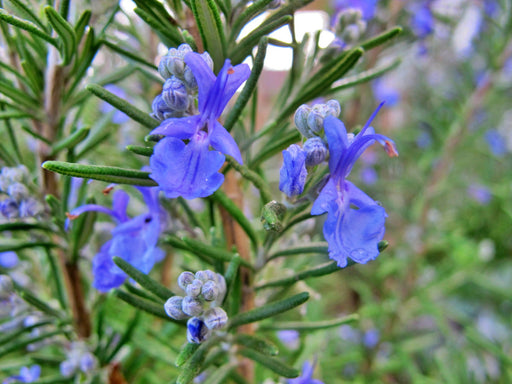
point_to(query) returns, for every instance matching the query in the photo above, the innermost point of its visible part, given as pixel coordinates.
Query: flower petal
(336, 136)
(178, 127)
(222, 141)
(205, 77)
(293, 173)
(186, 170)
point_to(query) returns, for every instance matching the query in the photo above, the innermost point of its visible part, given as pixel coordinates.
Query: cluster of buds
(350, 26)
(180, 87)
(205, 291)
(310, 123)
(79, 358)
(15, 200)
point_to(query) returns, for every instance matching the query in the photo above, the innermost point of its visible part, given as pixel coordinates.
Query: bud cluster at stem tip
(205, 291)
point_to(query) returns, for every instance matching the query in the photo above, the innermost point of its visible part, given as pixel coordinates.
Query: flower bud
(173, 308)
(184, 279)
(175, 95)
(316, 121)
(173, 64)
(271, 216)
(334, 107)
(221, 284)
(17, 191)
(301, 120)
(192, 306)
(30, 208)
(161, 110)
(67, 368)
(194, 288)
(204, 276)
(9, 208)
(210, 290)
(197, 331)
(215, 318)
(316, 151)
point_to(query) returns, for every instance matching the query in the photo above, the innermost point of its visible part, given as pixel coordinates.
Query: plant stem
(235, 236)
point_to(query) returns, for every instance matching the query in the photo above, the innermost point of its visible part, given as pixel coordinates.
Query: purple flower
(384, 89)
(422, 23)
(306, 377)
(367, 7)
(8, 259)
(496, 142)
(479, 193)
(191, 169)
(27, 375)
(350, 232)
(134, 240)
(371, 338)
(293, 173)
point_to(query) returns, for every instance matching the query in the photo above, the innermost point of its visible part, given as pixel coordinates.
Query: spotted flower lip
(191, 170)
(355, 222)
(133, 239)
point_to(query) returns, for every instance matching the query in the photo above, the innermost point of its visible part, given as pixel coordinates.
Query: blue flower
(293, 173)
(422, 22)
(191, 169)
(306, 377)
(367, 7)
(355, 222)
(8, 259)
(27, 375)
(134, 240)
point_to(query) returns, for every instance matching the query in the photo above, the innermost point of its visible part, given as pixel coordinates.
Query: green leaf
(124, 106)
(39, 304)
(211, 30)
(212, 251)
(363, 77)
(193, 366)
(220, 374)
(381, 39)
(24, 227)
(21, 344)
(320, 247)
(250, 85)
(144, 280)
(321, 270)
(81, 24)
(274, 146)
(18, 96)
(248, 14)
(71, 141)
(101, 172)
(140, 150)
(19, 245)
(130, 55)
(168, 33)
(145, 305)
(246, 45)
(65, 32)
(268, 310)
(312, 325)
(186, 352)
(257, 343)
(34, 76)
(28, 14)
(271, 363)
(180, 244)
(228, 204)
(27, 26)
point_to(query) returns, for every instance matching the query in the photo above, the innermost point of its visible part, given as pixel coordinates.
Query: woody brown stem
(235, 236)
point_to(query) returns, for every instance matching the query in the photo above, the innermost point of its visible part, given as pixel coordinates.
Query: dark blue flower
(355, 222)
(293, 173)
(307, 375)
(134, 239)
(191, 169)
